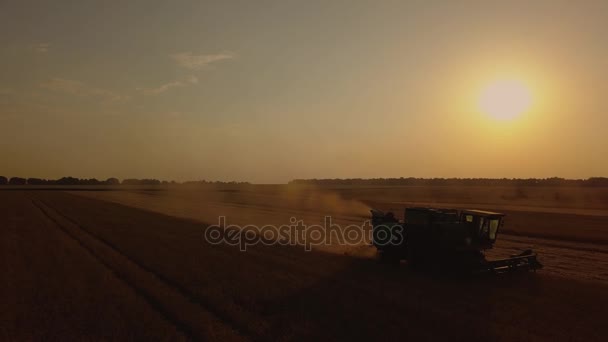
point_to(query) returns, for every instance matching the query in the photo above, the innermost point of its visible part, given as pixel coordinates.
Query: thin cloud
(41, 47)
(173, 84)
(78, 88)
(65, 86)
(196, 62)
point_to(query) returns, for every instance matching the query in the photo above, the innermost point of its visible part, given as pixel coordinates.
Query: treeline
(60, 181)
(204, 182)
(554, 181)
(158, 182)
(109, 181)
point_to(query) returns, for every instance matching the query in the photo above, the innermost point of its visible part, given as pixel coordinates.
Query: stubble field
(134, 265)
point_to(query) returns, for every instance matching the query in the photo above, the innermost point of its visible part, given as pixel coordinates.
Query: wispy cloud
(79, 88)
(173, 84)
(64, 85)
(191, 61)
(41, 47)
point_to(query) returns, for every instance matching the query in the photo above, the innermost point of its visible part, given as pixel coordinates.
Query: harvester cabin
(486, 223)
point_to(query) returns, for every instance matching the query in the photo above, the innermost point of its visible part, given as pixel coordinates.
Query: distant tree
(37, 181)
(141, 182)
(68, 181)
(90, 181)
(17, 181)
(597, 181)
(3, 180)
(112, 181)
(554, 181)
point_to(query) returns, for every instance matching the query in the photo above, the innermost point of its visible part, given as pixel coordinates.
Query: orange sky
(275, 90)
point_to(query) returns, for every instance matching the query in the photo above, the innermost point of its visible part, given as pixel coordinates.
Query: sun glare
(505, 99)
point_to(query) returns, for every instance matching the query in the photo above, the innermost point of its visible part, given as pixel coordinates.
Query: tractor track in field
(161, 293)
(196, 291)
(560, 257)
(278, 258)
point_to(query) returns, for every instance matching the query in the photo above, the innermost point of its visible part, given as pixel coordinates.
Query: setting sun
(505, 99)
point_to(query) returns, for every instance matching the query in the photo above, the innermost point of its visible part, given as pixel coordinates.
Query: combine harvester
(445, 238)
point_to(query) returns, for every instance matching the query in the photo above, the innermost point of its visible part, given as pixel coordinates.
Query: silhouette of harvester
(445, 238)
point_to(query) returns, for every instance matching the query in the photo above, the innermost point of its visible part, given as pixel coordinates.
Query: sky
(269, 91)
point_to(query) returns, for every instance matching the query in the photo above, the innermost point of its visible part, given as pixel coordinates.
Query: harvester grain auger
(433, 237)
